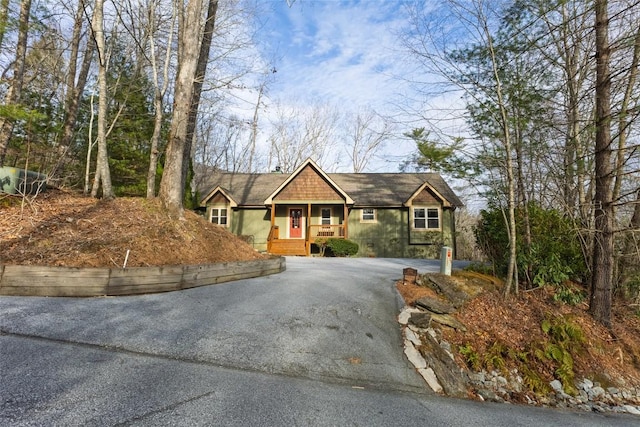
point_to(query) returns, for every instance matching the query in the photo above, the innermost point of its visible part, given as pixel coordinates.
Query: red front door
(295, 223)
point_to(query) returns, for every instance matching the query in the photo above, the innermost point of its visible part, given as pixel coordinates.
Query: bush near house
(342, 247)
(554, 255)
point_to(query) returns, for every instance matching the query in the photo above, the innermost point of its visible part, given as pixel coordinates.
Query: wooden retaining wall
(30, 280)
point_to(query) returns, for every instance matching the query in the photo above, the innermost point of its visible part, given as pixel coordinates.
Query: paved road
(315, 345)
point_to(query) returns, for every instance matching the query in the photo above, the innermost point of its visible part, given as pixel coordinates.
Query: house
(387, 214)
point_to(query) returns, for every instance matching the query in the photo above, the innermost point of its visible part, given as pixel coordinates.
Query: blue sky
(344, 53)
(341, 51)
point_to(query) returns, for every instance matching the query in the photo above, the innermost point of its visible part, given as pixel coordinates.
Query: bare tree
(299, 133)
(262, 87)
(367, 132)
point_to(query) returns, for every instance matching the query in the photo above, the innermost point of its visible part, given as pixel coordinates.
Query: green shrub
(342, 247)
(554, 255)
(569, 295)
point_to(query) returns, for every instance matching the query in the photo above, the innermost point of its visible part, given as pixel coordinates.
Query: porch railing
(274, 233)
(326, 231)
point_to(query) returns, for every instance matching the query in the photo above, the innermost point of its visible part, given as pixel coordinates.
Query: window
(368, 215)
(219, 216)
(433, 218)
(426, 218)
(325, 216)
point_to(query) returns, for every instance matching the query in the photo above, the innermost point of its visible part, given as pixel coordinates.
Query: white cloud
(344, 53)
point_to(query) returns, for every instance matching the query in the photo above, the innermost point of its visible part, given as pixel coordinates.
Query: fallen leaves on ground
(61, 228)
(611, 357)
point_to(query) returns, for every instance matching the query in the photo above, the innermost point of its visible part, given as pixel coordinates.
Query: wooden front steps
(287, 247)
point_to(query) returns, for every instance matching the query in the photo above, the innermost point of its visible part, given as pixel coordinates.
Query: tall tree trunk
(75, 90)
(155, 139)
(158, 100)
(201, 70)
(602, 273)
(172, 184)
(15, 89)
(103, 174)
(511, 285)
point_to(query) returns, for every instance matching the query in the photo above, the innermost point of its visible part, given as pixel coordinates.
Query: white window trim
(426, 217)
(375, 216)
(330, 216)
(212, 207)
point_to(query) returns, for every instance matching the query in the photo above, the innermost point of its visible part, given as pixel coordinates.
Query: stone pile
(437, 366)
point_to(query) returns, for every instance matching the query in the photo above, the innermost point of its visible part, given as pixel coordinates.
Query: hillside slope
(59, 228)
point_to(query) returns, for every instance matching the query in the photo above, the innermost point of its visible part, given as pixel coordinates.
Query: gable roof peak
(308, 162)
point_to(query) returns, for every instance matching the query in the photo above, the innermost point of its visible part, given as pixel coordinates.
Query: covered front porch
(295, 228)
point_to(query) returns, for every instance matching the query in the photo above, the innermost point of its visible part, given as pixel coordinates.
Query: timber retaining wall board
(26, 280)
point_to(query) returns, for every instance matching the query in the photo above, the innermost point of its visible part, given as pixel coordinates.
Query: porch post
(345, 221)
(308, 231)
(271, 231)
(273, 214)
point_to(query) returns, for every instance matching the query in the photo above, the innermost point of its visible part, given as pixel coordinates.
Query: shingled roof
(366, 189)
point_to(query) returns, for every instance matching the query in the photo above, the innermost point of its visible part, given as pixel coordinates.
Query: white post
(445, 260)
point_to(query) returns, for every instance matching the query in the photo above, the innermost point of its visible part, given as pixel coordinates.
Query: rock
(447, 347)
(556, 386)
(414, 355)
(412, 336)
(431, 379)
(435, 306)
(447, 287)
(448, 373)
(421, 320)
(564, 396)
(501, 381)
(585, 384)
(447, 320)
(403, 317)
(583, 397)
(595, 392)
(476, 378)
(434, 334)
(489, 395)
(631, 409)
(405, 314)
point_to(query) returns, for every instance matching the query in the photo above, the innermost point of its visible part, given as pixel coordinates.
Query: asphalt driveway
(207, 356)
(330, 319)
